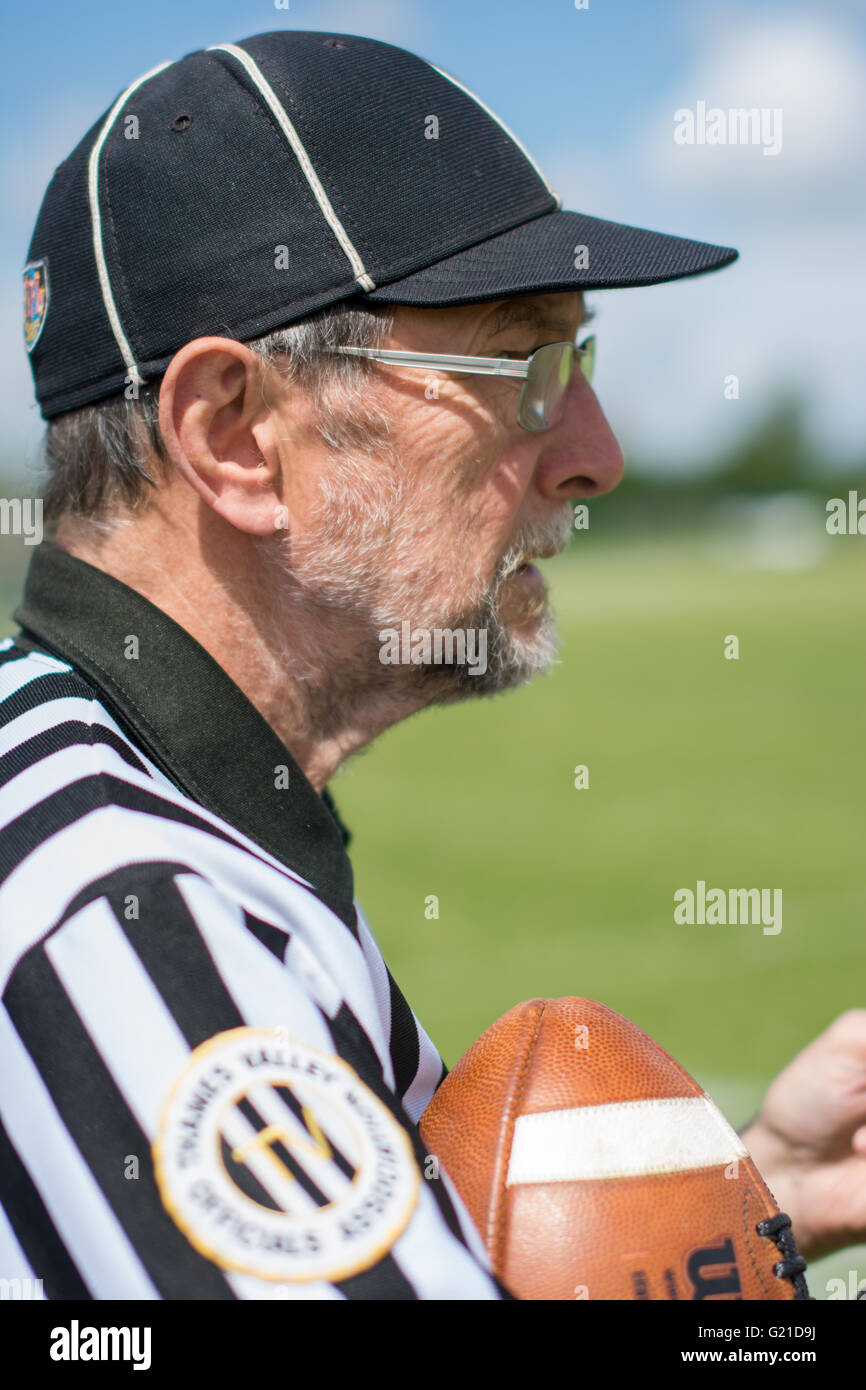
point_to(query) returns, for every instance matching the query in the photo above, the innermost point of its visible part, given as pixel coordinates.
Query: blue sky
(591, 93)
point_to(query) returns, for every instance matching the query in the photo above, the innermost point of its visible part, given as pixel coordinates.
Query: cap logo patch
(275, 1159)
(35, 301)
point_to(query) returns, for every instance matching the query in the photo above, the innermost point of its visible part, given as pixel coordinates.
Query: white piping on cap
(96, 222)
(364, 280)
(510, 133)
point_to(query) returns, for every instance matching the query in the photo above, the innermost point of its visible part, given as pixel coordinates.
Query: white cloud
(800, 65)
(664, 352)
(789, 313)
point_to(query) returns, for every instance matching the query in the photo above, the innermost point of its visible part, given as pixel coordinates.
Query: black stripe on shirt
(213, 1011)
(44, 688)
(172, 950)
(117, 886)
(26, 833)
(65, 735)
(243, 1178)
(71, 803)
(405, 1047)
(272, 937)
(287, 1097)
(11, 654)
(104, 1129)
(166, 955)
(382, 1281)
(167, 941)
(289, 1162)
(54, 685)
(354, 1045)
(34, 1229)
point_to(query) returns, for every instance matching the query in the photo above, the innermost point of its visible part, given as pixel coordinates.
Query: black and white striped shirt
(209, 1080)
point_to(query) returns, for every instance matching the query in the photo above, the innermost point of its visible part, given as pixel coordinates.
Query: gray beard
(512, 660)
(338, 584)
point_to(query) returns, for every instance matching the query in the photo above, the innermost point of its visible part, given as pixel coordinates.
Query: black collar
(191, 718)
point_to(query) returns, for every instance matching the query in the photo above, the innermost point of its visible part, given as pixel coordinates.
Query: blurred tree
(776, 456)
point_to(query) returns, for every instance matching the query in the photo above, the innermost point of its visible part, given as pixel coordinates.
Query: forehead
(557, 314)
(535, 309)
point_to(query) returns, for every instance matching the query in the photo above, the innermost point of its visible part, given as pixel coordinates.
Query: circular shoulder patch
(275, 1159)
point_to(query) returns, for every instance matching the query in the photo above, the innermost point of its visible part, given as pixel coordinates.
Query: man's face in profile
(439, 526)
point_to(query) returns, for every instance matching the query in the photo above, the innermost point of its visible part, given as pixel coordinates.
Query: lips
(547, 554)
(527, 571)
(524, 597)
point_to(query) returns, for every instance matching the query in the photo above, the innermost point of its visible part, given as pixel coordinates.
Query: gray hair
(111, 454)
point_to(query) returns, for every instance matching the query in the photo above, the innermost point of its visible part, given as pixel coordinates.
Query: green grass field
(745, 773)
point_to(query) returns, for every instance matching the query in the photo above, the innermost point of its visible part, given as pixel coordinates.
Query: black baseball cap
(248, 185)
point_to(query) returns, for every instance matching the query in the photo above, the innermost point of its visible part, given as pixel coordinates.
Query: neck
(308, 670)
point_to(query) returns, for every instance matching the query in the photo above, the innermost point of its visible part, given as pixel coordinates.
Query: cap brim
(556, 252)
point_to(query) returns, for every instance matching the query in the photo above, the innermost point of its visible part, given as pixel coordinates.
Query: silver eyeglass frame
(472, 366)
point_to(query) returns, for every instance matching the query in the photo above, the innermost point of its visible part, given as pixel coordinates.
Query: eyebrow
(532, 313)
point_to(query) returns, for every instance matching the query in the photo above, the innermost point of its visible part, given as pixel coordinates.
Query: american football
(594, 1167)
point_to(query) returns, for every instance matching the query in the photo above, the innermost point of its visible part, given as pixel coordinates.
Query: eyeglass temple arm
(475, 366)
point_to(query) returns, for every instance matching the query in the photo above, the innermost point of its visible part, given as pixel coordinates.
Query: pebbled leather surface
(683, 1235)
(469, 1128)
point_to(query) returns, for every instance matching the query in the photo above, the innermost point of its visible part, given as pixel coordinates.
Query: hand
(809, 1140)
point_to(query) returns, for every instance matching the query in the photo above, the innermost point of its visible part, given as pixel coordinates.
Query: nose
(579, 457)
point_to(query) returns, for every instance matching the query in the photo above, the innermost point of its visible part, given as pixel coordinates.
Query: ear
(214, 421)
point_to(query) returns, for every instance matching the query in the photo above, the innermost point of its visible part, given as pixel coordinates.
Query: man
(252, 292)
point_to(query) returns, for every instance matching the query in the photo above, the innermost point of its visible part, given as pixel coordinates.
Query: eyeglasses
(546, 374)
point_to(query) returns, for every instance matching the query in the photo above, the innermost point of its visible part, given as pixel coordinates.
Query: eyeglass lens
(543, 398)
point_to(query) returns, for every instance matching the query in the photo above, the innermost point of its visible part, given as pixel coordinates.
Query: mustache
(539, 540)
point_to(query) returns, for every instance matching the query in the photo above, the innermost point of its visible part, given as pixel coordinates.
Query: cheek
(508, 480)
(458, 554)
(463, 479)
(440, 458)
(496, 502)
(455, 447)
